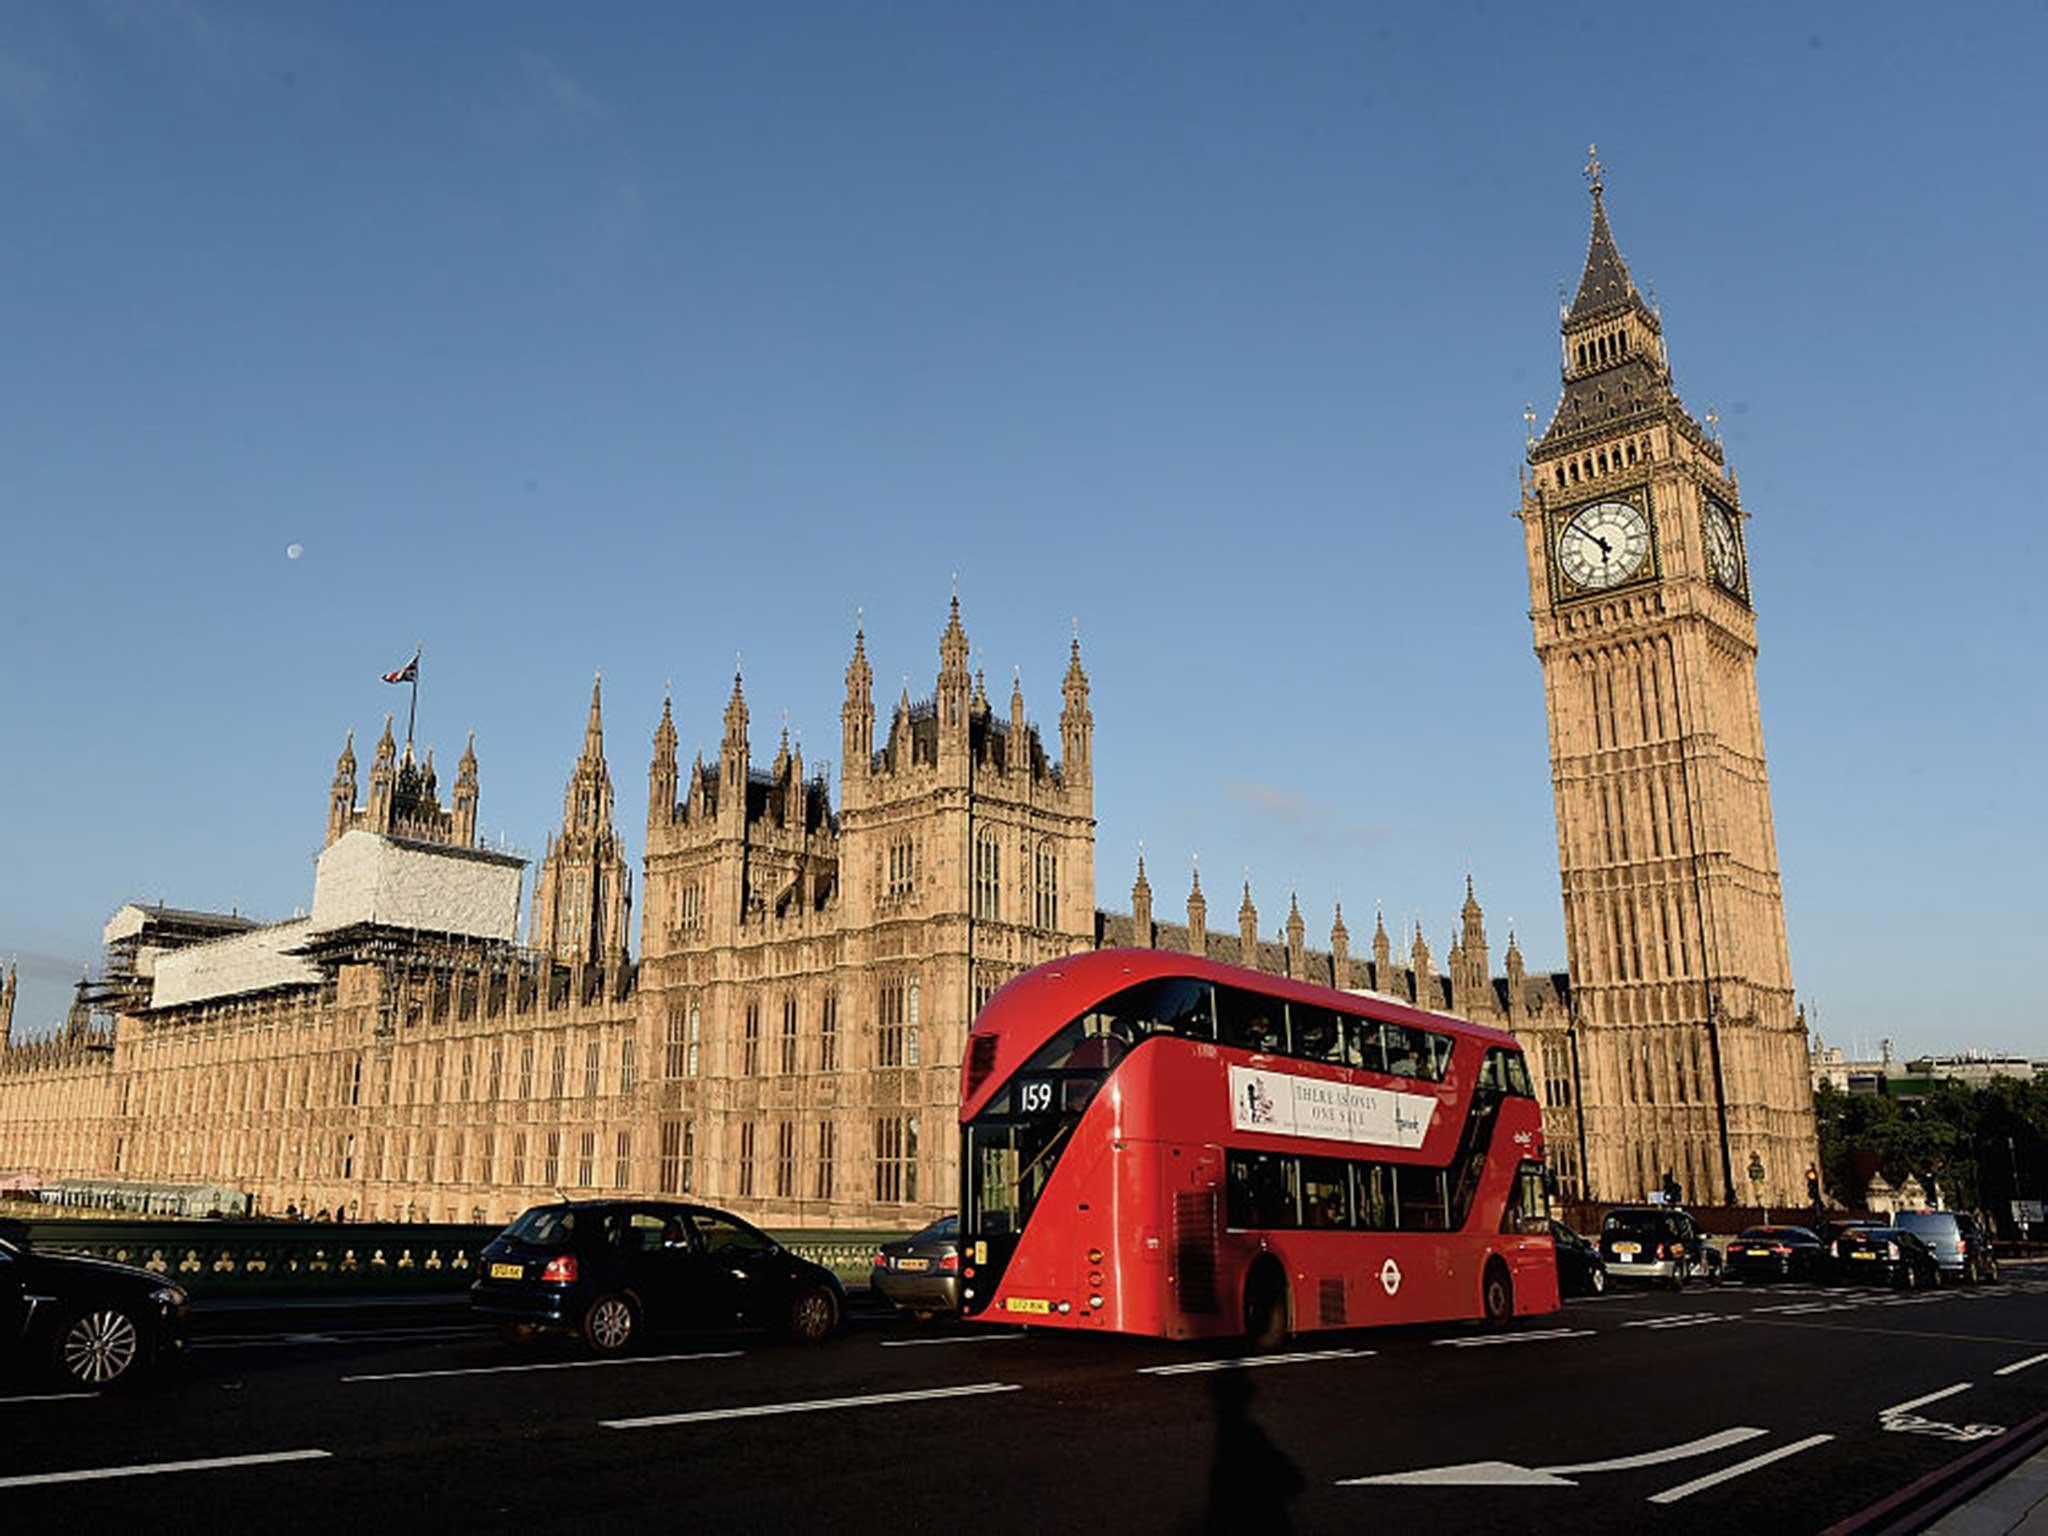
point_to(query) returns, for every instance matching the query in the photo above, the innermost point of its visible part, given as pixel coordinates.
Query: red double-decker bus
(1157, 1144)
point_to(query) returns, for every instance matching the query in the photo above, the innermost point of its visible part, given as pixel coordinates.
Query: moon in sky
(293, 551)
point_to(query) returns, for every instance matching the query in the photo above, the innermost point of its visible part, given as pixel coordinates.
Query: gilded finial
(1595, 172)
(1529, 423)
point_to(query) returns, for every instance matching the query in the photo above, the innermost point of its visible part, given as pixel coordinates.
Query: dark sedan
(91, 1323)
(1886, 1256)
(609, 1270)
(1775, 1253)
(921, 1273)
(1580, 1269)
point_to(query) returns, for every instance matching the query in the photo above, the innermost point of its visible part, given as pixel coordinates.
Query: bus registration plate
(1027, 1304)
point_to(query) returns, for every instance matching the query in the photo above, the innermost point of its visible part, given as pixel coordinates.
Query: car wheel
(99, 1347)
(1496, 1295)
(1596, 1280)
(609, 1325)
(813, 1315)
(518, 1333)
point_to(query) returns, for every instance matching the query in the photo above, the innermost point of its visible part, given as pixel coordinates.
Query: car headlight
(170, 1297)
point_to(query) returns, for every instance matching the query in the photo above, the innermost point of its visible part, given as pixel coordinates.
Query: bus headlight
(1066, 1307)
(1094, 1301)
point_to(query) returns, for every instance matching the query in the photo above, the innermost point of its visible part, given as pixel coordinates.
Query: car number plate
(1624, 1258)
(1628, 1248)
(1862, 1255)
(508, 1271)
(913, 1263)
(1027, 1304)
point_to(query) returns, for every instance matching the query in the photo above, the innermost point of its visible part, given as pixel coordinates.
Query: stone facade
(1691, 1056)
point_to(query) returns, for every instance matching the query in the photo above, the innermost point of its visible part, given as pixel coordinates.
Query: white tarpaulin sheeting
(365, 878)
(246, 962)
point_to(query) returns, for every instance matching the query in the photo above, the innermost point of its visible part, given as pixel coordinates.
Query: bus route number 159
(1034, 1096)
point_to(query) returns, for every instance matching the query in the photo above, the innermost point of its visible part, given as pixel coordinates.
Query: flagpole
(413, 710)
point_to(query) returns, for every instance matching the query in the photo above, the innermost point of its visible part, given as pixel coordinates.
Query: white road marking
(2019, 1365)
(151, 1468)
(548, 1365)
(65, 1397)
(1534, 1336)
(815, 1405)
(1192, 1367)
(957, 1338)
(1718, 1441)
(1921, 1402)
(1684, 1320)
(1740, 1469)
(1505, 1474)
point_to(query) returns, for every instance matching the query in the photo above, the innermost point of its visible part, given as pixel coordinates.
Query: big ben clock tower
(1691, 1060)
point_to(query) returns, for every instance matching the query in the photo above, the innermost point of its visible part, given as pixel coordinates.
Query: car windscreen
(545, 1226)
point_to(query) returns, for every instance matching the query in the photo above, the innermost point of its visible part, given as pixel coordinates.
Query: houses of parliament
(787, 1040)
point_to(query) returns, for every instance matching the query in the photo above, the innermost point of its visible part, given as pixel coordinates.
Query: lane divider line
(958, 1338)
(1192, 1367)
(1921, 1402)
(1534, 1336)
(152, 1468)
(547, 1365)
(815, 1405)
(66, 1397)
(2019, 1365)
(1740, 1469)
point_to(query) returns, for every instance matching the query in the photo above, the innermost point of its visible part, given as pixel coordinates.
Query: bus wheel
(1496, 1294)
(1265, 1305)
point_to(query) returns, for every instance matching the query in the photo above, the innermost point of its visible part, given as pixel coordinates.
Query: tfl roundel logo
(1390, 1277)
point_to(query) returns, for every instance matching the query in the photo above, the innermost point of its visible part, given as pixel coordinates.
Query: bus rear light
(1094, 1301)
(560, 1271)
(1095, 1279)
(949, 1261)
(1066, 1307)
(1094, 1255)
(969, 1273)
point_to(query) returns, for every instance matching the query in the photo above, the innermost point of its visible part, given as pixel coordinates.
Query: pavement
(1789, 1408)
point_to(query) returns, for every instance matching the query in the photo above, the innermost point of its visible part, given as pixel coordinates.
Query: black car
(1886, 1256)
(1961, 1247)
(91, 1323)
(1580, 1269)
(1775, 1253)
(921, 1273)
(1659, 1243)
(609, 1270)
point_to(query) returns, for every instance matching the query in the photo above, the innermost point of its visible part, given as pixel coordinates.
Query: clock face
(1724, 554)
(1604, 545)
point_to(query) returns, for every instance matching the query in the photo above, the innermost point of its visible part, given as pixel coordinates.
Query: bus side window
(1375, 1196)
(1518, 1076)
(1177, 1006)
(1422, 1199)
(1493, 1071)
(1528, 1206)
(1318, 1033)
(1439, 1056)
(1404, 1048)
(1261, 1196)
(1250, 1022)
(1325, 1193)
(1362, 1047)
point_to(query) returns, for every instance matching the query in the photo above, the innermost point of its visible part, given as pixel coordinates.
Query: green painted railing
(211, 1258)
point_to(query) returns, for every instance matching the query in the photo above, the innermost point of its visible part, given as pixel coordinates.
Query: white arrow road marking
(1700, 1447)
(1740, 1469)
(815, 1405)
(1470, 1474)
(151, 1468)
(1921, 1402)
(1506, 1474)
(1190, 1367)
(1533, 1336)
(2019, 1365)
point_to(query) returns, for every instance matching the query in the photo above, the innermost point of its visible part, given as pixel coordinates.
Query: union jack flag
(409, 673)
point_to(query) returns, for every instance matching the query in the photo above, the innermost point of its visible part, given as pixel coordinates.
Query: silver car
(1961, 1247)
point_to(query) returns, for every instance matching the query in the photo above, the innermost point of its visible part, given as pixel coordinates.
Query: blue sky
(637, 341)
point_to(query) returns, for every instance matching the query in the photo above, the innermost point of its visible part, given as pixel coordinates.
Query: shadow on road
(1251, 1480)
